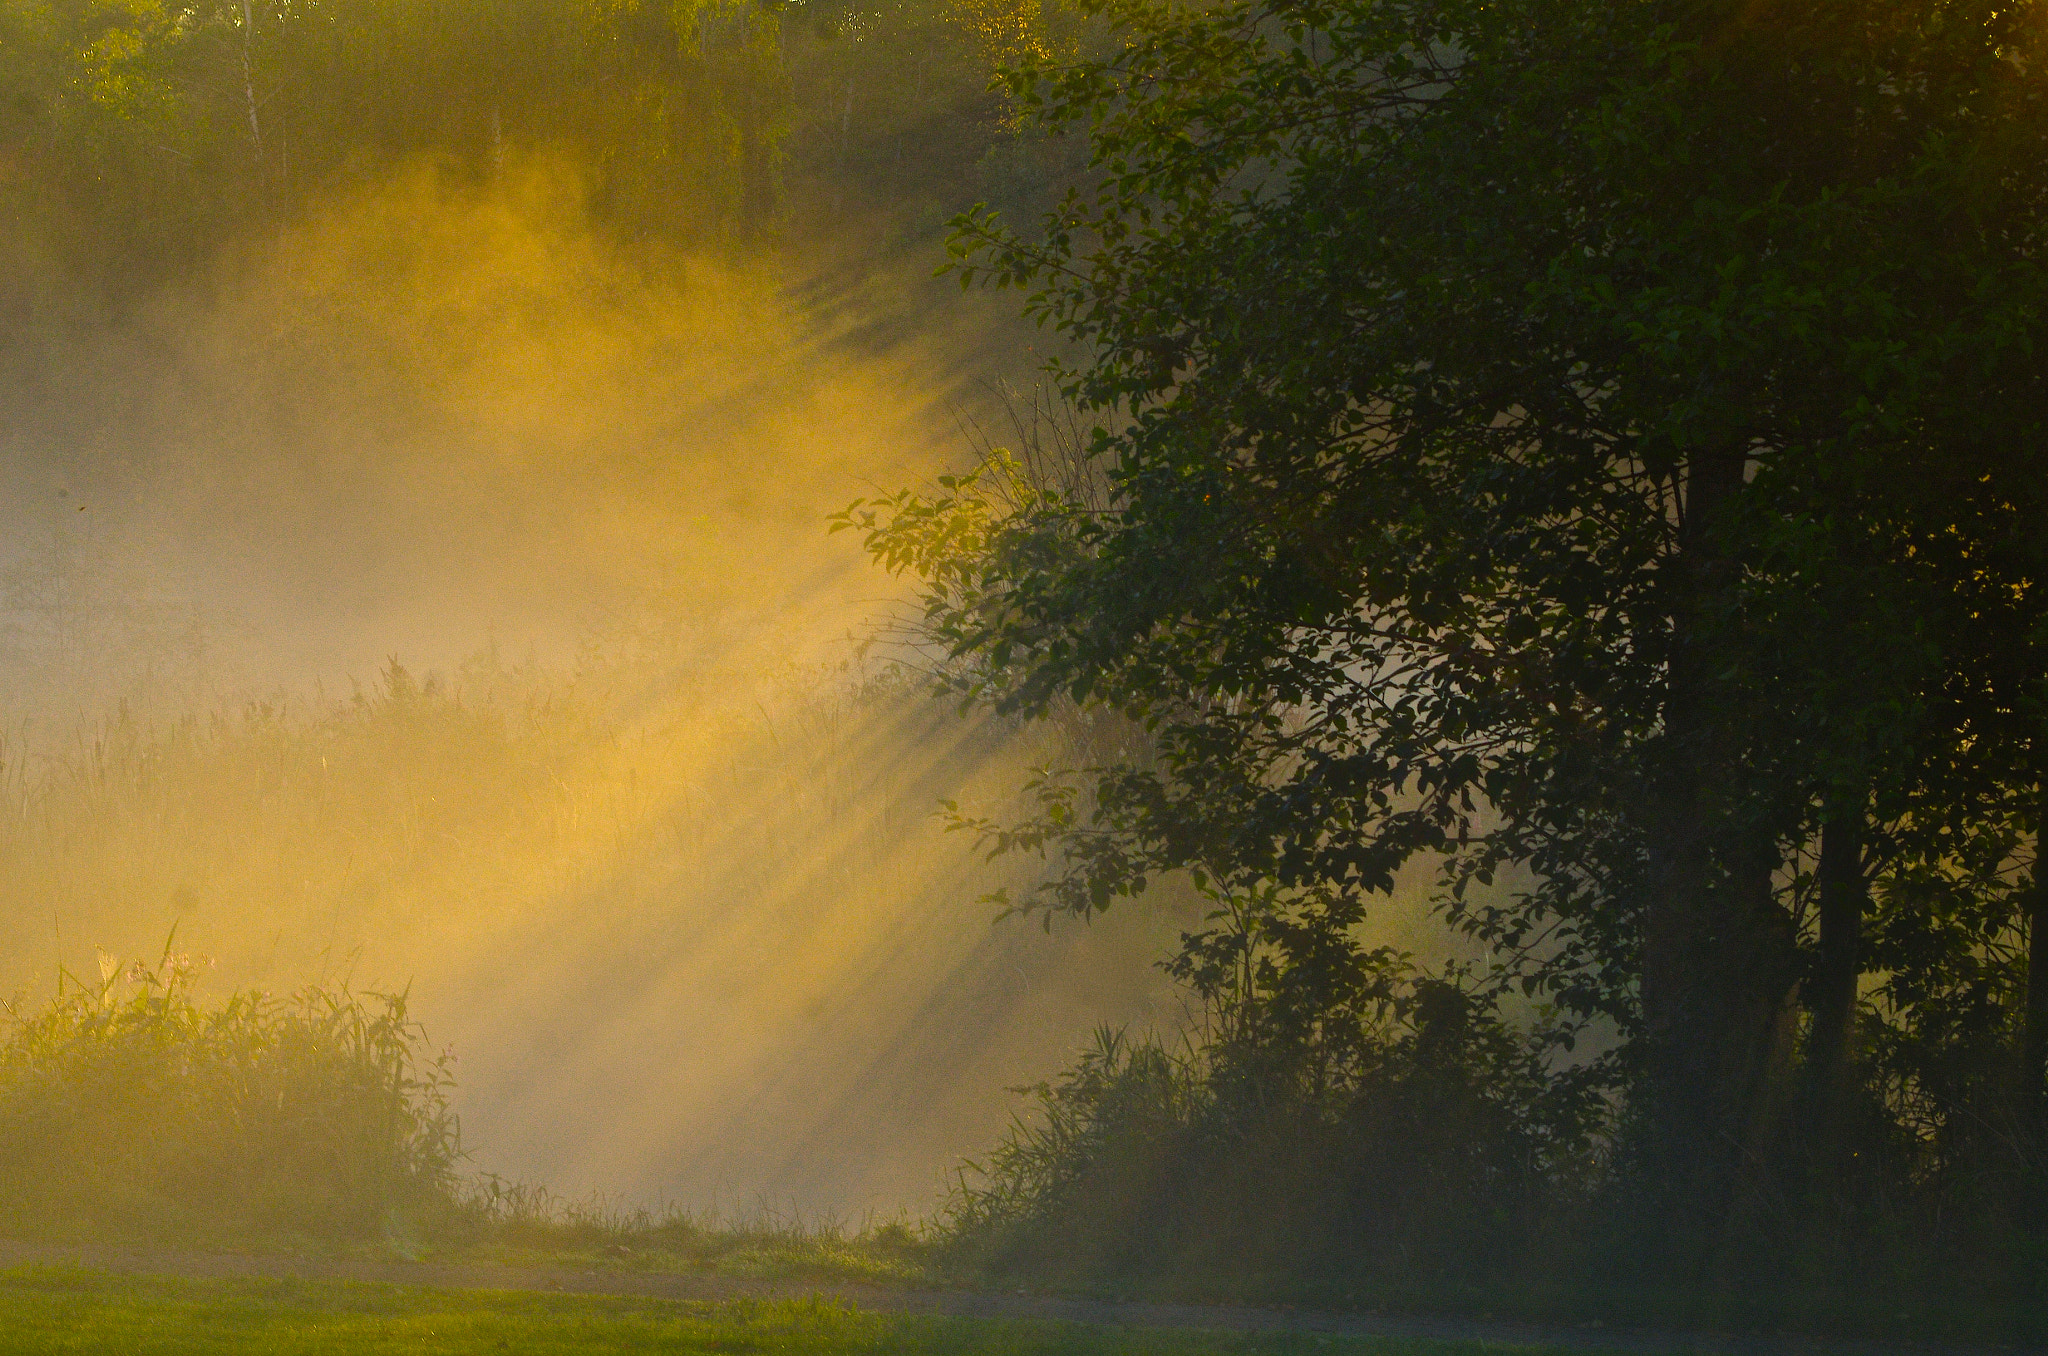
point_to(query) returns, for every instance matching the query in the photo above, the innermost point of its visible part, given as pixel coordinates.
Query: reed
(130, 1111)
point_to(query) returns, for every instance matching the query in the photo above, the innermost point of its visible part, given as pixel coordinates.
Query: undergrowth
(132, 1112)
(1429, 1149)
(1419, 1162)
(514, 1223)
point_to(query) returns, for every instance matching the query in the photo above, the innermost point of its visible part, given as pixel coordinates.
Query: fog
(437, 412)
(438, 598)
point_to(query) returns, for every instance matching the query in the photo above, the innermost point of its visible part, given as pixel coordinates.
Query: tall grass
(132, 1112)
(516, 1222)
(695, 929)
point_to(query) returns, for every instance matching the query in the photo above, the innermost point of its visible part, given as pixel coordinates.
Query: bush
(1341, 1125)
(1434, 1145)
(129, 1111)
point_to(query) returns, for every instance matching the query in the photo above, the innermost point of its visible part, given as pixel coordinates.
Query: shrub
(1435, 1144)
(130, 1111)
(1339, 1123)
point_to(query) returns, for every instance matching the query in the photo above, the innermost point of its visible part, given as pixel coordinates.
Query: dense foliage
(1594, 448)
(138, 137)
(1423, 1139)
(129, 1110)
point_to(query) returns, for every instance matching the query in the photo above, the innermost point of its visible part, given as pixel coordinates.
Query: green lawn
(44, 1309)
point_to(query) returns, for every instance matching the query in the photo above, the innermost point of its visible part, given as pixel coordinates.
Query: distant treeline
(135, 135)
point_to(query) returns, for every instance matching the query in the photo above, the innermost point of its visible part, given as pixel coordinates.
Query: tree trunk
(1717, 950)
(2034, 1044)
(1844, 897)
(1830, 1138)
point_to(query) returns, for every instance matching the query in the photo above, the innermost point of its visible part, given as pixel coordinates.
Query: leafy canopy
(1537, 435)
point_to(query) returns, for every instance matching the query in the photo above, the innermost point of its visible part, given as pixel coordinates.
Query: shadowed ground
(621, 1281)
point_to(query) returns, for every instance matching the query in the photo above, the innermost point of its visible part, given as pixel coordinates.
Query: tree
(142, 135)
(1600, 439)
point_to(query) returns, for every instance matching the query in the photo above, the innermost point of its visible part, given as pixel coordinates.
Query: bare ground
(953, 1303)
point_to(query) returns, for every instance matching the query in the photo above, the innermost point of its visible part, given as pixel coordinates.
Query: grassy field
(60, 1310)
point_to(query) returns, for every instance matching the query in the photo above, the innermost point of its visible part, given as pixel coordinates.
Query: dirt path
(957, 1303)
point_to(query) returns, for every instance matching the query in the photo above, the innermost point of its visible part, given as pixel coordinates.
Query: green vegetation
(145, 137)
(134, 1114)
(1401, 1185)
(524, 1226)
(440, 818)
(1424, 1151)
(1588, 454)
(130, 1112)
(47, 1310)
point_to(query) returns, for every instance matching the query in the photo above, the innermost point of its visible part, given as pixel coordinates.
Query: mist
(436, 597)
(1504, 768)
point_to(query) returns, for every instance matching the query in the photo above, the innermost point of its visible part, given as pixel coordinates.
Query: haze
(675, 894)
